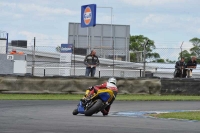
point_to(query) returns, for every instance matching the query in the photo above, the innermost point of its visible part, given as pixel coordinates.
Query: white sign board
(2, 46)
(10, 57)
(65, 58)
(20, 66)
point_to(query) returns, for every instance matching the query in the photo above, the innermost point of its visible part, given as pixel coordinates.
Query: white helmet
(112, 80)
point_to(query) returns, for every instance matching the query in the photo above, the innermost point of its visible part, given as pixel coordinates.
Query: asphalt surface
(56, 117)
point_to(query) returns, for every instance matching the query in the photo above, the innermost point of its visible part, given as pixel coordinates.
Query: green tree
(137, 46)
(194, 51)
(196, 46)
(186, 55)
(160, 60)
(170, 61)
(58, 49)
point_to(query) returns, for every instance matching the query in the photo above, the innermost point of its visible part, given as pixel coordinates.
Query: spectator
(192, 63)
(180, 71)
(91, 61)
(15, 52)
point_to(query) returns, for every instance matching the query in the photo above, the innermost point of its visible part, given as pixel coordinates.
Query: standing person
(180, 70)
(91, 61)
(192, 63)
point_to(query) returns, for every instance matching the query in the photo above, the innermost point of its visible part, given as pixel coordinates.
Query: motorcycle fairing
(81, 108)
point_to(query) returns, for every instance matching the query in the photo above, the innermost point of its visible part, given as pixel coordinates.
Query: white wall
(2, 46)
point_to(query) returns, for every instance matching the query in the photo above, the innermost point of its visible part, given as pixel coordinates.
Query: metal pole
(7, 44)
(113, 60)
(74, 57)
(99, 72)
(181, 49)
(33, 61)
(111, 38)
(44, 72)
(112, 42)
(181, 58)
(88, 41)
(144, 68)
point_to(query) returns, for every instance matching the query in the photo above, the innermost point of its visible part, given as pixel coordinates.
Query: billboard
(88, 15)
(102, 37)
(65, 58)
(19, 43)
(66, 48)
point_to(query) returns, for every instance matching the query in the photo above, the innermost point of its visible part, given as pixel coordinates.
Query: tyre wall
(23, 84)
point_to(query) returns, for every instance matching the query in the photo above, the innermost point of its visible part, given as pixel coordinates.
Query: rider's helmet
(112, 80)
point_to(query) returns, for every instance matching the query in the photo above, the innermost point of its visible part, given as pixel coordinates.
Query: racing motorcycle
(95, 103)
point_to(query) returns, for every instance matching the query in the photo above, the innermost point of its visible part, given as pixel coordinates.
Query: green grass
(121, 97)
(40, 97)
(192, 115)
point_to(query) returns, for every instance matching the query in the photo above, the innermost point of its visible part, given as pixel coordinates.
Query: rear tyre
(95, 108)
(75, 112)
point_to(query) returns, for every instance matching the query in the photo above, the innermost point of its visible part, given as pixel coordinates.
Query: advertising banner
(88, 15)
(65, 59)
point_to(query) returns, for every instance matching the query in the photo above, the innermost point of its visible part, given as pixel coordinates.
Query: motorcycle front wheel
(75, 112)
(95, 108)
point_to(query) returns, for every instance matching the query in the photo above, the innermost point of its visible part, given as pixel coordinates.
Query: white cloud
(43, 39)
(37, 8)
(11, 15)
(169, 21)
(152, 2)
(45, 10)
(162, 19)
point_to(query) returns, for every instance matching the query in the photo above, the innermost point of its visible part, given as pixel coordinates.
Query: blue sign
(66, 48)
(88, 15)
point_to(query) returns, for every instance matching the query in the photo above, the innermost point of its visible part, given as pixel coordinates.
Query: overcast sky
(167, 22)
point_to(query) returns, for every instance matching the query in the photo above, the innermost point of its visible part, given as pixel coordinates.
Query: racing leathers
(105, 85)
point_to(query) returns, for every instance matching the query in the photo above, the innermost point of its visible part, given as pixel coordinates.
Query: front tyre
(95, 108)
(75, 112)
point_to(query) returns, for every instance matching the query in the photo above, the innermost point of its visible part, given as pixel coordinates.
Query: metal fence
(45, 61)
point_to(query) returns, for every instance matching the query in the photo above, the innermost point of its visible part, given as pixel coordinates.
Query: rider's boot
(106, 110)
(83, 100)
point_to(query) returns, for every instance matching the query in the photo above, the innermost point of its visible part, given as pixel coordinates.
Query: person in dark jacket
(192, 63)
(180, 71)
(91, 61)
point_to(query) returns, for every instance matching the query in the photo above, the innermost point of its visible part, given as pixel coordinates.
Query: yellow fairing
(105, 91)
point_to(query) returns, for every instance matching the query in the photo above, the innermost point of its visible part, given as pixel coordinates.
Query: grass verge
(121, 97)
(192, 115)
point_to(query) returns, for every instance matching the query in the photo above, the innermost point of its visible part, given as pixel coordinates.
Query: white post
(112, 43)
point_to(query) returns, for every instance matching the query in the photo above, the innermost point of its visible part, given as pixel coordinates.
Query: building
(109, 41)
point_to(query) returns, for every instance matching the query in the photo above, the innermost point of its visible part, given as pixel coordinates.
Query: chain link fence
(45, 61)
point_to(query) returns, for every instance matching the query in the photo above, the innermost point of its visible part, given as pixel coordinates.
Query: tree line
(137, 47)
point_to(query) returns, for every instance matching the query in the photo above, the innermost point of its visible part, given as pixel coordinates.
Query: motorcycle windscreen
(104, 96)
(81, 108)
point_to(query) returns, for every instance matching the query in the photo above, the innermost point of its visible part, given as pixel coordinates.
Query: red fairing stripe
(114, 89)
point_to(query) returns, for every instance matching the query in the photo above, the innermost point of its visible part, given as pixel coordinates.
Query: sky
(167, 22)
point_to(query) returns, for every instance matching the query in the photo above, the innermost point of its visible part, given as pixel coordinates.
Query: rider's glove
(91, 88)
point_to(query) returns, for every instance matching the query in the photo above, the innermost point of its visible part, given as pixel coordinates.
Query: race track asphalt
(46, 116)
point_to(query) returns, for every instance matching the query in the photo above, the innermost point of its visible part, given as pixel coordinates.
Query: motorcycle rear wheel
(95, 108)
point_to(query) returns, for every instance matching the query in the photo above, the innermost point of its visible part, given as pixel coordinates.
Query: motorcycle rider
(110, 84)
